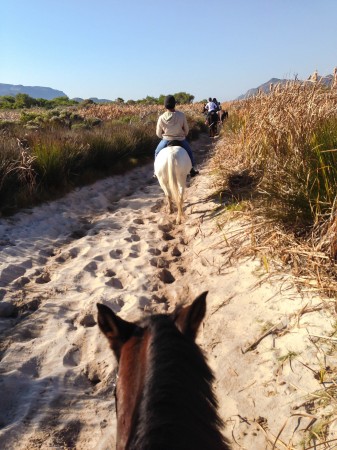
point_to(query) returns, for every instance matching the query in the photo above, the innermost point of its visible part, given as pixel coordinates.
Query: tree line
(25, 101)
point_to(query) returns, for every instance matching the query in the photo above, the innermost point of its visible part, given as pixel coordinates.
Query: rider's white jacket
(211, 106)
(172, 126)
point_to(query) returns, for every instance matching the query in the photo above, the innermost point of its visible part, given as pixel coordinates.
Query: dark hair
(210, 99)
(170, 102)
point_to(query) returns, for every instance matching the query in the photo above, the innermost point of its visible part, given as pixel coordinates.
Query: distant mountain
(41, 92)
(265, 87)
(33, 91)
(327, 80)
(94, 99)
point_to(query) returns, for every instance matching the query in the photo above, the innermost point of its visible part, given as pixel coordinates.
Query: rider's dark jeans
(184, 143)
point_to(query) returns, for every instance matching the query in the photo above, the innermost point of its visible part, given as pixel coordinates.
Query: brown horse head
(164, 398)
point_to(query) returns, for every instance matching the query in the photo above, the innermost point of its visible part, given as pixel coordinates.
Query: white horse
(171, 166)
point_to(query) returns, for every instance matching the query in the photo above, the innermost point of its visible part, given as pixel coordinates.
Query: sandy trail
(112, 243)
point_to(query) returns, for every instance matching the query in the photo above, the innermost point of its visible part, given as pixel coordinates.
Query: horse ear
(117, 330)
(189, 318)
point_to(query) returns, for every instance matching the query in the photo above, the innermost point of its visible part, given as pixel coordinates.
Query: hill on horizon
(265, 87)
(41, 92)
(33, 91)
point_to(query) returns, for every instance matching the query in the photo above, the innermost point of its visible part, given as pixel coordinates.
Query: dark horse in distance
(164, 395)
(212, 120)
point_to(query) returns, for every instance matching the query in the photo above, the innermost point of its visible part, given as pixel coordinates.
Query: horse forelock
(177, 408)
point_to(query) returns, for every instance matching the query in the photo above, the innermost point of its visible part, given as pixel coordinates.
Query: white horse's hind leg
(169, 205)
(180, 207)
(179, 216)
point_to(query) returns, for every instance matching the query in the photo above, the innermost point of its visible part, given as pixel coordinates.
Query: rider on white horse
(172, 126)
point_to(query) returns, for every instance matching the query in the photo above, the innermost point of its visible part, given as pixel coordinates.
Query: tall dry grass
(108, 111)
(112, 111)
(279, 150)
(44, 163)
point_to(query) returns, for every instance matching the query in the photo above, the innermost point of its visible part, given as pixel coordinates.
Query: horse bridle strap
(115, 391)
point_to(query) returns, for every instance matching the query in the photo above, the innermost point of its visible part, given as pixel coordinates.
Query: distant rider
(218, 105)
(211, 106)
(172, 126)
(212, 109)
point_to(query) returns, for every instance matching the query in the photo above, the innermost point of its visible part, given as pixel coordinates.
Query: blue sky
(134, 48)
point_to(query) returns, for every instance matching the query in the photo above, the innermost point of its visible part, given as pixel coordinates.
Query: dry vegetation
(45, 153)
(277, 162)
(115, 111)
(275, 170)
(109, 111)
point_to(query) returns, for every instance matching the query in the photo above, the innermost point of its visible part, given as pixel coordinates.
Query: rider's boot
(193, 172)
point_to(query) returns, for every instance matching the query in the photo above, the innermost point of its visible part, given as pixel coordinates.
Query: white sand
(113, 243)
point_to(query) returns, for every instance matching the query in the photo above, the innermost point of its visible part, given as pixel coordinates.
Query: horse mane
(178, 409)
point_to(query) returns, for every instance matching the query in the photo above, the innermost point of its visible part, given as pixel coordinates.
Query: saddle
(174, 143)
(212, 117)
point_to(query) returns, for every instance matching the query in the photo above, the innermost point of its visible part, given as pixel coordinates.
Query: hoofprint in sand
(113, 243)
